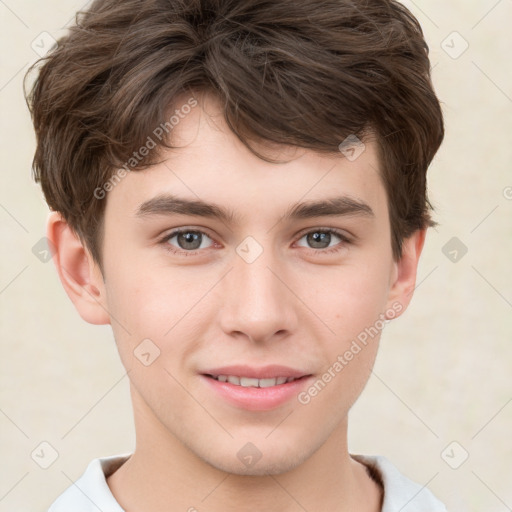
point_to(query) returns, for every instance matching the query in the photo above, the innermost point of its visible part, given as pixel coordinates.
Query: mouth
(256, 389)
(250, 382)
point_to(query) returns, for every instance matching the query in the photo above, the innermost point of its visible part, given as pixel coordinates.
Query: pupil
(319, 238)
(189, 238)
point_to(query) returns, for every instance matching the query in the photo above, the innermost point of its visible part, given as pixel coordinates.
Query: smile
(249, 382)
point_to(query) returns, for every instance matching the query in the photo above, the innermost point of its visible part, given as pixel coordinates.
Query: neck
(165, 475)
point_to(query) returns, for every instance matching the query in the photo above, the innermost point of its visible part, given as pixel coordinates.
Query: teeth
(267, 383)
(248, 382)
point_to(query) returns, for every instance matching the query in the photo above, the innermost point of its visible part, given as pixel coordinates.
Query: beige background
(444, 369)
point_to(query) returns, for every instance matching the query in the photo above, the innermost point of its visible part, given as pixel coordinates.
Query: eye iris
(188, 240)
(319, 238)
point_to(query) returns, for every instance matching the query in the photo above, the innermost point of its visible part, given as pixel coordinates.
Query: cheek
(350, 298)
(354, 309)
(144, 297)
(155, 305)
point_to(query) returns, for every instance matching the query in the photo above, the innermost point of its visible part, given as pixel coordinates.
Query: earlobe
(79, 274)
(404, 275)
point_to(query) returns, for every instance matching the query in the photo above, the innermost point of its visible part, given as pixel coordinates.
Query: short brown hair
(307, 73)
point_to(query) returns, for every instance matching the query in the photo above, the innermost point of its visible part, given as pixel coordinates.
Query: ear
(78, 272)
(403, 281)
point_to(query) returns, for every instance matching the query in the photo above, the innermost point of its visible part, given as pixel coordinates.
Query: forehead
(210, 164)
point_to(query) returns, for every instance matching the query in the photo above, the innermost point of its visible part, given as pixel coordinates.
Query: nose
(259, 304)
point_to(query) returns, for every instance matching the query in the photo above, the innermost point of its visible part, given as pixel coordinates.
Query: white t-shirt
(91, 492)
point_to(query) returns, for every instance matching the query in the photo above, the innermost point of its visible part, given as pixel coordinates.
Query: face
(211, 313)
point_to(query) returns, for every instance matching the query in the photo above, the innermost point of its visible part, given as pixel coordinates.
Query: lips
(256, 389)
(263, 373)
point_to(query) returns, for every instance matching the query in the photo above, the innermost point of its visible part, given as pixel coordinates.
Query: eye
(320, 240)
(187, 241)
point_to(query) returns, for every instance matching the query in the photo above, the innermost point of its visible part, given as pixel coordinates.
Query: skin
(293, 306)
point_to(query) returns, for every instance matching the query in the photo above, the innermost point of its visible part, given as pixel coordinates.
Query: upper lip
(264, 372)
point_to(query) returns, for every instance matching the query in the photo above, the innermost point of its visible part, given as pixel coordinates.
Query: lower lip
(257, 399)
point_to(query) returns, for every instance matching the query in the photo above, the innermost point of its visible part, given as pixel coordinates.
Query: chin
(276, 467)
(274, 463)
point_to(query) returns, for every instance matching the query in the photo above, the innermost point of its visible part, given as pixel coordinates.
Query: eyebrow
(169, 204)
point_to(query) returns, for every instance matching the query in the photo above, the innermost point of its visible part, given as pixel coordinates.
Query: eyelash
(338, 247)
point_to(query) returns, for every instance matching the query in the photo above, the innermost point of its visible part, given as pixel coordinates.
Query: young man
(238, 188)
